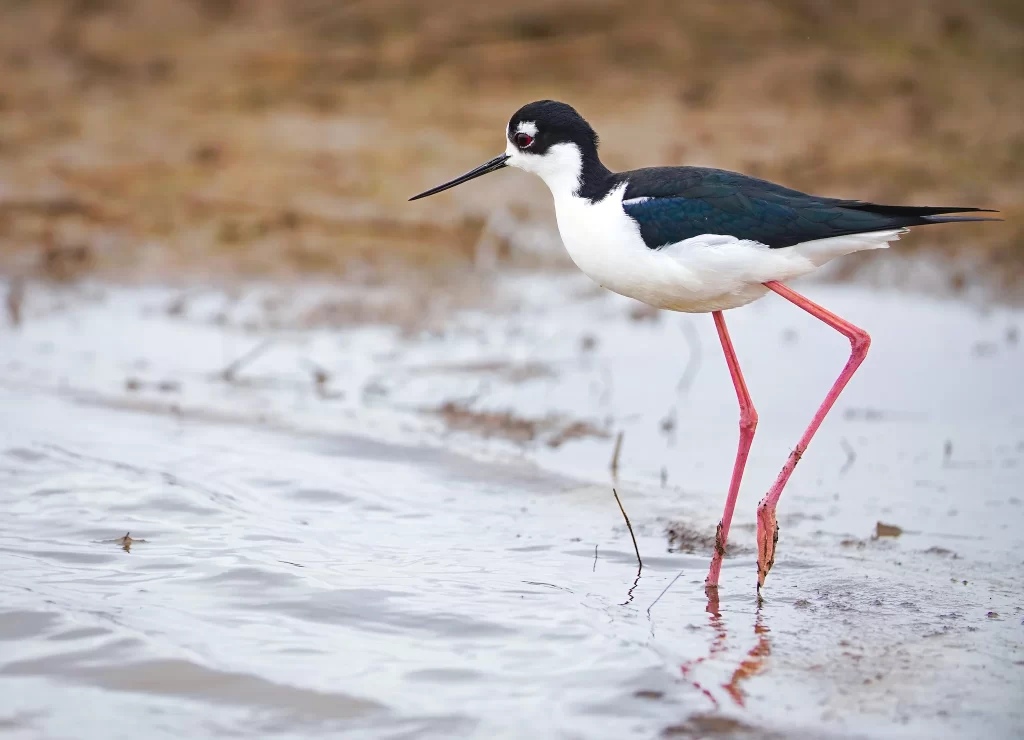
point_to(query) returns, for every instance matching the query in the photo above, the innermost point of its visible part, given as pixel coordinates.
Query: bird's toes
(767, 537)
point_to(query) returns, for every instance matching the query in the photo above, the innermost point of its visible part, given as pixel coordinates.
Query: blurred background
(251, 137)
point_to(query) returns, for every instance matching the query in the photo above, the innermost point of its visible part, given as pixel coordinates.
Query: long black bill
(495, 164)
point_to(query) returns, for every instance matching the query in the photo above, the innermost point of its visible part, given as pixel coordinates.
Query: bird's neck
(595, 179)
(569, 172)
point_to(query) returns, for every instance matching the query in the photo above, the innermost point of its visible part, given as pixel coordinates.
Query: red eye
(523, 140)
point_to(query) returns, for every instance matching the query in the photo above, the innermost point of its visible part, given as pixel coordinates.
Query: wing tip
(962, 219)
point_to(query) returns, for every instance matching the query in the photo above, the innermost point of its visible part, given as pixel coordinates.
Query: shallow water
(332, 559)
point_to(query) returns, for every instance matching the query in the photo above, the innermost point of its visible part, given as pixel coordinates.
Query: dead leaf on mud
(887, 530)
(125, 542)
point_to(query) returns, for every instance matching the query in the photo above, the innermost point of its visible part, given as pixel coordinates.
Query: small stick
(628, 525)
(693, 362)
(15, 300)
(851, 456)
(231, 370)
(594, 569)
(615, 468)
(665, 590)
(320, 377)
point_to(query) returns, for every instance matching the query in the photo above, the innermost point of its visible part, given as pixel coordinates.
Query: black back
(690, 201)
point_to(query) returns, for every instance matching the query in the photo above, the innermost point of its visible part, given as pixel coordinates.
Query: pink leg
(748, 423)
(767, 528)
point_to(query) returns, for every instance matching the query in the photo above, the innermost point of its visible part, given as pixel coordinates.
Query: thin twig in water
(615, 465)
(851, 456)
(665, 590)
(629, 527)
(693, 363)
(231, 370)
(594, 569)
(320, 379)
(636, 548)
(15, 301)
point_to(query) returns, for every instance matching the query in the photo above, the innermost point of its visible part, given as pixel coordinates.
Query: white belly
(705, 273)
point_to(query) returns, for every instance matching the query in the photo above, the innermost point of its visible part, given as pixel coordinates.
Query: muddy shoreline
(212, 141)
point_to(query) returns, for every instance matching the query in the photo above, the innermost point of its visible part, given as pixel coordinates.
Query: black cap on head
(556, 123)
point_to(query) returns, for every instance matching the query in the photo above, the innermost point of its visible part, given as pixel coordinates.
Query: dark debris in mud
(575, 430)
(642, 312)
(512, 372)
(684, 538)
(134, 384)
(553, 430)
(713, 726)
(649, 694)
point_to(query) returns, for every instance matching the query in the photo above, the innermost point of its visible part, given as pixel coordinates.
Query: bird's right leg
(767, 528)
(748, 423)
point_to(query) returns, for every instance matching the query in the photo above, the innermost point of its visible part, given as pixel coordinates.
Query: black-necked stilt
(701, 240)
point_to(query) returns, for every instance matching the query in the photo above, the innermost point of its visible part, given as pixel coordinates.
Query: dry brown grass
(257, 137)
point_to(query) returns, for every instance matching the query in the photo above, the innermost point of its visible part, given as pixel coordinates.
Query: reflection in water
(636, 581)
(717, 646)
(753, 663)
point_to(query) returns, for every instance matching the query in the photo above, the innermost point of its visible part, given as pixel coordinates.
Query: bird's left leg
(767, 528)
(748, 423)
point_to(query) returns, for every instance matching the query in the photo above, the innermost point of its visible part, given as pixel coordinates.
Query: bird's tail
(920, 215)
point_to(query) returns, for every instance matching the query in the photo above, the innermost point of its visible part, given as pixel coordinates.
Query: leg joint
(748, 419)
(860, 342)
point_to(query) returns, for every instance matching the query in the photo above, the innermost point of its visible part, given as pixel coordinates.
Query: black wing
(675, 203)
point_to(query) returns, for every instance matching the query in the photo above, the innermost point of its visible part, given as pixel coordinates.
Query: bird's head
(547, 138)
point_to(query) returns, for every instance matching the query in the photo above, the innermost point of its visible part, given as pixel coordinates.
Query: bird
(702, 240)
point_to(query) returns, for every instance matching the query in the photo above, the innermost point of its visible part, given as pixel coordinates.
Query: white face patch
(560, 166)
(527, 127)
